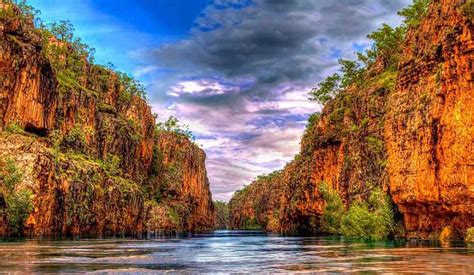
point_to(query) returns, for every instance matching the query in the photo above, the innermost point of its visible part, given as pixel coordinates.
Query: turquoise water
(232, 251)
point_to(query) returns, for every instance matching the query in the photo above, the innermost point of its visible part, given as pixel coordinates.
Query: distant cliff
(80, 152)
(407, 130)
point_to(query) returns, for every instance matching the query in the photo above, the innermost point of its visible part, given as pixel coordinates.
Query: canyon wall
(408, 131)
(87, 147)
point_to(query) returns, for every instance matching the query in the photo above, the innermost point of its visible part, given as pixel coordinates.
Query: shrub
(376, 145)
(373, 219)
(111, 165)
(333, 211)
(222, 214)
(19, 207)
(18, 200)
(469, 237)
(76, 138)
(14, 128)
(468, 9)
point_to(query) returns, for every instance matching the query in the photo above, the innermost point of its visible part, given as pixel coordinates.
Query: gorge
(82, 153)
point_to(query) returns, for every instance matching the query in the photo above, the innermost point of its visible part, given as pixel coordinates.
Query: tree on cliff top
(386, 47)
(173, 125)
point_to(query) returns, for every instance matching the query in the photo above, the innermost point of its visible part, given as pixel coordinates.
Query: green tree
(415, 12)
(62, 30)
(222, 214)
(333, 214)
(333, 85)
(173, 125)
(18, 199)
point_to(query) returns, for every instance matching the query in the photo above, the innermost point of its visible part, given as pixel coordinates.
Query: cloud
(240, 80)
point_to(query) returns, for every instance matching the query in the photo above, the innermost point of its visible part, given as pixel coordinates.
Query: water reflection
(233, 251)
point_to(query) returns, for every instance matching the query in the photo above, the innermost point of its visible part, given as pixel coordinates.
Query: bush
(14, 128)
(76, 138)
(18, 200)
(111, 165)
(222, 214)
(333, 211)
(386, 45)
(469, 237)
(372, 219)
(468, 9)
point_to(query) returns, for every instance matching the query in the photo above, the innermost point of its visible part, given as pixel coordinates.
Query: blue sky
(236, 71)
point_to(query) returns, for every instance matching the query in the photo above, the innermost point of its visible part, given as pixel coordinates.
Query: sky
(238, 72)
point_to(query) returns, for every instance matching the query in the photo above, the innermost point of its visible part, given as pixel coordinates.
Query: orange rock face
(97, 179)
(430, 126)
(408, 131)
(182, 161)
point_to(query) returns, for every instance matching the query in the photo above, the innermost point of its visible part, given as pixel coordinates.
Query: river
(233, 251)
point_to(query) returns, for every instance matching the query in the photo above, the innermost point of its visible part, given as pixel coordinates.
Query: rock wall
(408, 131)
(430, 129)
(88, 149)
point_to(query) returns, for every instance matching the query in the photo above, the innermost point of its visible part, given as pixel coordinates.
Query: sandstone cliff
(409, 131)
(86, 144)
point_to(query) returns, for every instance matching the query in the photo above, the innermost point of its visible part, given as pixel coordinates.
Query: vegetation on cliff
(102, 165)
(355, 144)
(17, 199)
(222, 214)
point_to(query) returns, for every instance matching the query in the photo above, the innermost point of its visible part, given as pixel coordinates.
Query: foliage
(69, 55)
(386, 46)
(468, 9)
(329, 88)
(18, 200)
(312, 120)
(333, 211)
(131, 87)
(415, 12)
(172, 125)
(222, 214)
(469, 237)
(371, 219)
(375, 144)
(76, 138)
(6, 13)
(251, 224)
(111, 165)
(14, 128)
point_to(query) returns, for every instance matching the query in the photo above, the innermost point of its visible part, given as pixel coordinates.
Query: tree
(63, 30)
(222, 214)
(415, 12)
(172, 125)
(386, 45)
(329, 88)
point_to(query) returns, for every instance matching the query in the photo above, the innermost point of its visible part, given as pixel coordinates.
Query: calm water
(232, 251)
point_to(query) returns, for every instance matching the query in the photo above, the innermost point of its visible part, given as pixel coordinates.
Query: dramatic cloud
(240, 80)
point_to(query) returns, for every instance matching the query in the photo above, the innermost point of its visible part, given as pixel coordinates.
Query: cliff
(408, 131)
(85, 144)
(430, 129)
